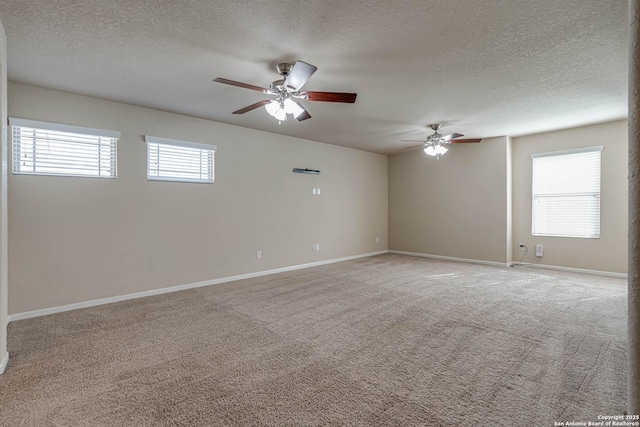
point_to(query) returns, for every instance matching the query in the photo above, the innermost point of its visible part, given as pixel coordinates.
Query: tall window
(173, 160)
(566, 193)
(42, 148)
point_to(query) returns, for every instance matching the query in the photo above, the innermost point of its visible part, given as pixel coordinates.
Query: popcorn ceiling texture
(387, 340)
(484, 68)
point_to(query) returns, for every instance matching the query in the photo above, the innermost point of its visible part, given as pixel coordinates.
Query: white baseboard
(4, 362)
(571, 269)
(450, 258)
(108, 300)
(515, 264)
(284, 269)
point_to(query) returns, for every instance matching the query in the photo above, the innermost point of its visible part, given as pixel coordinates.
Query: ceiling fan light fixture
(440, 149)
(276, 110)
(281, 115)
(435, 149)
(430, 150)
(272, 107)
(291, 107)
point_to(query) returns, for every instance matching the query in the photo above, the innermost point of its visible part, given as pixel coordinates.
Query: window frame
(209, 148)
(534, 194)
(38, 125)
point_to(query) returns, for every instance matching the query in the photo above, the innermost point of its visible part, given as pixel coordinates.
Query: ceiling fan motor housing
(284, 68)
(277, 85)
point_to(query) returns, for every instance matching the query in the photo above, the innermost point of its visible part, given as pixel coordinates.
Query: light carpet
(389, 340)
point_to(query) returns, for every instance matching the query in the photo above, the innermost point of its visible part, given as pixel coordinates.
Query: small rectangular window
(42, 148)
(173, 160)
(566, 193)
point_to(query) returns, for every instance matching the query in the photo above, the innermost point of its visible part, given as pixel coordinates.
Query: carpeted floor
(386, 340)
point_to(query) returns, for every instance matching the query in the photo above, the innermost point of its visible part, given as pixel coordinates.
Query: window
(41, 148)
(566, 193)
(172, 160)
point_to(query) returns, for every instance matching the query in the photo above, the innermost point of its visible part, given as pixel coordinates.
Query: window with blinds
(173, 160)
(566, 193)
(42, 148)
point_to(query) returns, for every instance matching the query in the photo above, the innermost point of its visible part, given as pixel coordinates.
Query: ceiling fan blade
(451, 136)
(299, 75)
(304, 115)
(463, 141)
(349, 98)
(412, 148)
(252, 107)
(414, 140)
(239, 84)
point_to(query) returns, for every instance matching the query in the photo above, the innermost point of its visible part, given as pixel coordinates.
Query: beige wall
(609, 252)
(77, 239)
(456, 206)
(3, 194)
(475, 202)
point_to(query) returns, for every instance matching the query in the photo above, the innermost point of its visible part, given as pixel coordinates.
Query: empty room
(309, 213)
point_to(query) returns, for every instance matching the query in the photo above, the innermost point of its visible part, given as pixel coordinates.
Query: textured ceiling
(481, 67)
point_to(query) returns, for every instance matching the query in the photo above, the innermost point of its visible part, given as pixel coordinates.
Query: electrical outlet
(258, 254)
(317, 246)
(318, 191)
(377, 239)
(521, 247)
(315, 191)
(539, 250)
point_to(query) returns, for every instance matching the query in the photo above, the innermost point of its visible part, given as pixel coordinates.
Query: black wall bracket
(305, 170)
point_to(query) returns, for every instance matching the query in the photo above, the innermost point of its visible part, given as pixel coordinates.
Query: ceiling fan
(287, 92)
(435, 143)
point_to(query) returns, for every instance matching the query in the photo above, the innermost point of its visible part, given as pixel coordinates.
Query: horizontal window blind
(174, 160)
(566, 193)
(43, 148)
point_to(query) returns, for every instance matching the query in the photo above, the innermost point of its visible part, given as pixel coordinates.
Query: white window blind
(174, 160)
(43, 148)
(566, 193)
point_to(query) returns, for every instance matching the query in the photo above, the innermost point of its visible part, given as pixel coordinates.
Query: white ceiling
(481, 67)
